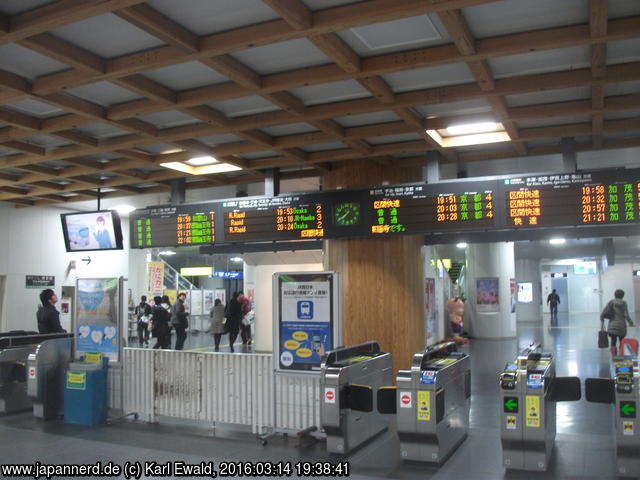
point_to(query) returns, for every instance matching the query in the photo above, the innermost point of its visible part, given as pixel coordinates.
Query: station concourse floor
(584, 442)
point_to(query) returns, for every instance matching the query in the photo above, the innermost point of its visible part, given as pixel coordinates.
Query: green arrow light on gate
(511, 404)
(628, 409)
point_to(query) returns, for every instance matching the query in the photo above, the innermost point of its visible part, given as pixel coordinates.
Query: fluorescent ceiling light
(201, 170)
(124, 209)
(196, 271)
(471, 128)
(199, 161)
(461, 245)
(464, 140)
(167, 252)
(557, 241)
(236, 259)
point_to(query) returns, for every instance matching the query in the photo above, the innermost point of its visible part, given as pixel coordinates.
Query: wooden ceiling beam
(338, 51)
(598, 22)
(147, 88)
(294, 12)
(235, 70)
(379, 89)
(65, 52)
(24, 147)
(57, 14)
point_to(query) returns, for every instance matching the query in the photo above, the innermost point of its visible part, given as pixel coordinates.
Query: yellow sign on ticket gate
(533, 411)
(424, 410)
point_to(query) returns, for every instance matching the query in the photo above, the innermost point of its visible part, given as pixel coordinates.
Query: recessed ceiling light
(199, 161)
(461, 245)
(464, 140)
(236, 259)
(201, 170)
(471, 128)
(167, 253)
(557, 241)
(124, 209)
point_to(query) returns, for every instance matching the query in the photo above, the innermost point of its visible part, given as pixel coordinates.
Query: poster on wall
(196, 302)
(172, 294)
(222, 295)
(307, 314)
(208, 299)
(155, 279)
(97, 318)
(525, 292)
(487, 294)
(430, 309)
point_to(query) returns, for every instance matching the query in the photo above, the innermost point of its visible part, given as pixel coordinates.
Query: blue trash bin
(85, 392)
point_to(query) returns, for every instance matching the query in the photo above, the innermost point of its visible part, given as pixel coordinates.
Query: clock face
(346, 214)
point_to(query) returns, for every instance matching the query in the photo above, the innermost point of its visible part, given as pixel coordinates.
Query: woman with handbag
(618, 314)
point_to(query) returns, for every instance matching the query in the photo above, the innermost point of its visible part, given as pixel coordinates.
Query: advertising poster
(208, 299)
(222, 295)
(97, 319)
(172, 294)
(487, 294)
(525, 292)
(305, 320)
(430, 307)
(196, 302)
(155, 279)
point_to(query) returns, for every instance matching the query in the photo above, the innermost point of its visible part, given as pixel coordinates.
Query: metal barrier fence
(218, 387)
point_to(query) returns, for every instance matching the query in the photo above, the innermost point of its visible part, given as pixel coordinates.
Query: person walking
(217, 320)
(143, 314)
(160, 324)
(245, 323)
(233, 314)
(179, 320)
(48, 317)
(617, 312)
(553, 300)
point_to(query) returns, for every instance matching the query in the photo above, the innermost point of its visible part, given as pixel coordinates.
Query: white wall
(260, 277)
(584, 292)
(430, 256)
(617, 276)
(31, 243)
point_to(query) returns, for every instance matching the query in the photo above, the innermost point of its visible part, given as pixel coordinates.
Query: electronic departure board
(572, 199)
(297, 217)
(181, 225)
(421, 209)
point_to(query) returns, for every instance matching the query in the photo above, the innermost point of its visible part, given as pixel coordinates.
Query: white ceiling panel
(619, 135)
(386, 139)
(185, 76)
(204, 17)
(623, 88)
(289, 129)
(330, 92)
(14, 7)
(102, 156)
(512, 16)
(219, 139)
(407, 80)
(541, 61)
(35, 108)
(238, 107)
(396, 35)
(107, 35)
(464, 107)
(168, 119)
(46, 141)
(623, 8)
(554, 122)
(27, 63)
(325, 4)
(623, 51)
(635, 113)
(367, 119)
(321, 147)
(104, 93)
(256, 155)
(5, 152)
(282, 56)
(101, 130)
(550, 96)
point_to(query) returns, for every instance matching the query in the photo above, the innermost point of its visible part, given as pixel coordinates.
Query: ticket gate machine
(529, 389)
(350, 378)
(623, 392)
(433, 400)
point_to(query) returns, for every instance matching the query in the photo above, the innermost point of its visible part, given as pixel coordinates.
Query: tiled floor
(584, 444)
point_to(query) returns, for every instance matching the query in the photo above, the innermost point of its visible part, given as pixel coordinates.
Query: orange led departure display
(174, 227)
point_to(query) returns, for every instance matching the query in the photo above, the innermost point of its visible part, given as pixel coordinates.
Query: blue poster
(96, 338)
(304, 342)
(97, 318)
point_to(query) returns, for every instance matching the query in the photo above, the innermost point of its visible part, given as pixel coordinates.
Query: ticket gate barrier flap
(350, 376)
(433, 400)
(600, 390)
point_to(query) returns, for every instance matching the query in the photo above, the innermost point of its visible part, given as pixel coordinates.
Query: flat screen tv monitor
(90, 231)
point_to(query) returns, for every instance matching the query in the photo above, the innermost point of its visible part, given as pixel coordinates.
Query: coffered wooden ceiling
(98, 93)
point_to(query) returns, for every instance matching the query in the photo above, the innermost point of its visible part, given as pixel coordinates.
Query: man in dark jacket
(160, 324)
(179, 320)
(553, 300)
(143, 313)
(48, 316)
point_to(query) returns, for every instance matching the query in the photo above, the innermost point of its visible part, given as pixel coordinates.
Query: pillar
(488, 262)
(569, 156)
(382, 278)
(178, 191)
(528, 270)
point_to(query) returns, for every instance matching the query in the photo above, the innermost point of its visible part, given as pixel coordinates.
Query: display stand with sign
(307, 324)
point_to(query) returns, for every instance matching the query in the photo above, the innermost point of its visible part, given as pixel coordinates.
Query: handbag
(603, 339)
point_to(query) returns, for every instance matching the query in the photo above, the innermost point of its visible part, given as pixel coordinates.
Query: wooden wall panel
(382, 294)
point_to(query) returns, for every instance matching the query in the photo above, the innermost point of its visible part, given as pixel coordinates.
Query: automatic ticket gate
(529, 389)
(15, 349)
(623, 392)
(350, 378)
(432, 403)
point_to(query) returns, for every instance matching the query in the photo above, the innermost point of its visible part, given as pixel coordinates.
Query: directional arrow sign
(87, 259)
(511, 404)
(628, 409)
